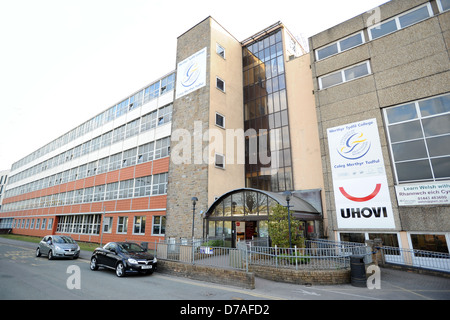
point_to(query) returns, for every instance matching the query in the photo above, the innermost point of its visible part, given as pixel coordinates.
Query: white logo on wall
(360, 185)
(191, 74)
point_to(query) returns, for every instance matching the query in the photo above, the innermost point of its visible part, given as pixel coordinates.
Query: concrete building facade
(388, 67)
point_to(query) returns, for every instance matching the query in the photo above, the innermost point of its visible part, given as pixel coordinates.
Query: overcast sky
(62, 62)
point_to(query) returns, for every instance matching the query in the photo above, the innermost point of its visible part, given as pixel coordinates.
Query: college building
(353, 136)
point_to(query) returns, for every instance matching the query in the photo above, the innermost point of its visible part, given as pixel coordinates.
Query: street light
(194, 201)
(288, 196)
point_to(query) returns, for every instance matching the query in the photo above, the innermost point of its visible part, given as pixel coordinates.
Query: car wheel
(94, 265)
(50, 255)
(120, 269)
(38, 252)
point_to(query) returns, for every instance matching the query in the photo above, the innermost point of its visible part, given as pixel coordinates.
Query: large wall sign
(191, 74)
(360, 185)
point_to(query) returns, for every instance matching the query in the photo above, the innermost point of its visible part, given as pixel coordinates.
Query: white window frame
(338, 42)
(223, 50)
(215, 120)
(441, 9)
(223, 161)
(142, 222)
(124, 224)
(390, 144)
(108, 223)
(159, 225)
(224, 86)
(397, 21)
(342, 71)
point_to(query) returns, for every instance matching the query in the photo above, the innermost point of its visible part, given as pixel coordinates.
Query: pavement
(393, 284)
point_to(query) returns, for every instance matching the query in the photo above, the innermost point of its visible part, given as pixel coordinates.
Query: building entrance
(244, 230)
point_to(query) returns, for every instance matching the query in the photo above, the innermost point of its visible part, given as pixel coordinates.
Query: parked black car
(123, 257)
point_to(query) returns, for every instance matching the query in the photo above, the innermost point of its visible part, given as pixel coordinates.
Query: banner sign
(191, 74)
(359, 178)
(426, 193)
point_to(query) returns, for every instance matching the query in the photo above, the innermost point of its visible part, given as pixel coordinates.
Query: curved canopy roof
(299, 208)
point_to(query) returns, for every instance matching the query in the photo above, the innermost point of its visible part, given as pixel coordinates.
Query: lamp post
(194, 201)
(288, 195)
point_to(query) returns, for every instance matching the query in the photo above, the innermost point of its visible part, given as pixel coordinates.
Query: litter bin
(358, 271)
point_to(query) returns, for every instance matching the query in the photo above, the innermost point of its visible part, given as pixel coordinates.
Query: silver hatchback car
(58, 247)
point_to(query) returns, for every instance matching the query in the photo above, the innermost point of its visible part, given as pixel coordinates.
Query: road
(23, 276)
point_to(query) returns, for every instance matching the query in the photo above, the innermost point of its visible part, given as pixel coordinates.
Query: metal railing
(199, 252)
(417, 258)
(317, 254)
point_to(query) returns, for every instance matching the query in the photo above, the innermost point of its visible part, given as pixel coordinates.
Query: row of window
(391, 25)
(132, 188)
(147, 152)
(44, 224)
(90, 224)
(149, 121)
(419, 138)
(153, 91)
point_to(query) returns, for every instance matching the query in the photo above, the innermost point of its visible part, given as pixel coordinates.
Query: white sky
(62, 62)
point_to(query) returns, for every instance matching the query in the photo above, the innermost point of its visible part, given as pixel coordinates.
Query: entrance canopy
(253, 204)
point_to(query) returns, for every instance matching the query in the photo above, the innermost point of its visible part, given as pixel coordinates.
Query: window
(129, 158)
(115, 161)
(112, 191)
(220, 50)
(99, 193)
(107, 224)
(119, 133)
(165, 115)
(132, 128)
(50, 224)
(162, 148)
(167, 83)
(429, 242)
(149, 121)
(402, 21)
(122, 224)
(419, 138)
(143, 186)
(139, 225)
(103, 165)
(151, 92)
(159, 226)
(220, 120)
(91, 169)
(136, 100)
(126, 189)
(106, 139)
(340, 46)
(220, 84)
(145, 152)
(219, 161)
(443, 5)
(160, 184)
(345, 75)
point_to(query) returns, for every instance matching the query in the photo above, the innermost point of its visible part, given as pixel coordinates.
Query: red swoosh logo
(369, 197)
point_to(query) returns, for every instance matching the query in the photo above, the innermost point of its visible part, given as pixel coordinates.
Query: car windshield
(130, 247)
(63, 239)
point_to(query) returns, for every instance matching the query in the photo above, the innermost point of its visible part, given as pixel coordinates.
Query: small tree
(279, 228)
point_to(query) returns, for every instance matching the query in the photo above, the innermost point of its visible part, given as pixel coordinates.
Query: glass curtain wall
(268, 151)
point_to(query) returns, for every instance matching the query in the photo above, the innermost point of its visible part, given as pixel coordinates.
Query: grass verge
(87, 246)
